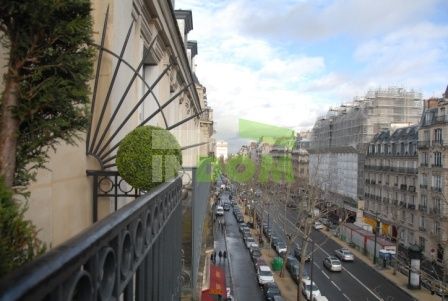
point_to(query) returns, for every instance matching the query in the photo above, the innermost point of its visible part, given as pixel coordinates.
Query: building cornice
(187, 16)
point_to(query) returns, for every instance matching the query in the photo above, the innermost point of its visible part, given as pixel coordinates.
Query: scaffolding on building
(356, 123)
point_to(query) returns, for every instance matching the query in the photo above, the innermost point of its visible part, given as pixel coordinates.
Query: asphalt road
(244, 277)
(357, 281)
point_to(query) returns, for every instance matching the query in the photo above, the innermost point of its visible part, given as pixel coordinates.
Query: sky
(286, 62)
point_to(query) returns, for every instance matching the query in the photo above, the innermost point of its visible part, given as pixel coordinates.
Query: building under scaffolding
(339, 140)
(356, 123)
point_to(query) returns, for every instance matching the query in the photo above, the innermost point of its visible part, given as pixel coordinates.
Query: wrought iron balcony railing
(423, 144)
(132, 254)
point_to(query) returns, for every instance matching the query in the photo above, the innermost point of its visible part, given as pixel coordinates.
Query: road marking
(336, 285)
(328, 277)
(325, 252)
(346, 297)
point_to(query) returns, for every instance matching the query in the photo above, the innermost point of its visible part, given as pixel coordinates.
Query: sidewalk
(221, 245)
(398, 279)
(286, 284)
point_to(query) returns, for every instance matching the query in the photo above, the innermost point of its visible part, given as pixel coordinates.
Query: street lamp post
(377, 229)
(311, 272)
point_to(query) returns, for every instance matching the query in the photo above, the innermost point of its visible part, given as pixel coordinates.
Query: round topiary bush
(148, 156)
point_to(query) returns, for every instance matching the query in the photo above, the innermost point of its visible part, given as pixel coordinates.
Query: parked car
(332, 264)
(267, 232)
(274, 241)
(280, 247)
(226, 206)
(255, 254)
(270, 290)
(325, 221)
(320, 298)
(264, 274)
(344, 254)
(310, 290)
(278, 298)
(318, 225)
(254, 245)
(293, 267)
(260, 262)
(298, 253)
(219, 210)
(249, 241)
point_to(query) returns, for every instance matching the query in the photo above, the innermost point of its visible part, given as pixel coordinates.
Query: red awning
(217, 284)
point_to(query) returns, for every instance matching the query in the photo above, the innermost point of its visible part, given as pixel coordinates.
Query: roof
(187, 16)
(404, 133)
(265, 268)
(337, 150)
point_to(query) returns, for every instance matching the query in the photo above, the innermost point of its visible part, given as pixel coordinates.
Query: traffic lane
(244, 277)
(343, 281)
(347, 284)
(326, 287)
(325, 284)
(367, 278)
(366, 274)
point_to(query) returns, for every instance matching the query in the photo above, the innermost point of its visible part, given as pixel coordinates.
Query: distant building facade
(221, 149)
(391, 185)
(433, 179)
(340, 139)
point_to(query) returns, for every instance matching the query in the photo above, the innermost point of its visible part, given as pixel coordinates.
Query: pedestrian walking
(211, 257)
(224, 254)
(214, 257)
(220, 255)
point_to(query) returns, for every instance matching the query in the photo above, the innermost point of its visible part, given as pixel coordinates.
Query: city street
(357, 281)
(244, 278)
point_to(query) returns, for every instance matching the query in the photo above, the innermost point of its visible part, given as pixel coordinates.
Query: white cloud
(311, 20)
(247, 76)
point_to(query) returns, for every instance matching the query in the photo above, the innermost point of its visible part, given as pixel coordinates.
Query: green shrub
(18, 237)
(148, 156)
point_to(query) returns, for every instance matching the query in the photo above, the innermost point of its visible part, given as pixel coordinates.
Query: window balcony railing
(437, 165)
(411, 188)
(403, 187)
(424, 164)
(132, 254)
(422, 208)
(436, 189)
(437, 142)
(423, 186)
(411, 206)
(422, 228)
(423, 144)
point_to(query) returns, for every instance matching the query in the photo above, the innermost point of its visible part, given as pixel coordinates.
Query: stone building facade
(391, 184)
(432, 180)
(143, 75)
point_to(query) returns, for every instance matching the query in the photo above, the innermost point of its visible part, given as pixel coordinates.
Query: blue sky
(286, 62)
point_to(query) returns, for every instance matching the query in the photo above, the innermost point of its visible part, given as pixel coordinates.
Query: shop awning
(217, 285)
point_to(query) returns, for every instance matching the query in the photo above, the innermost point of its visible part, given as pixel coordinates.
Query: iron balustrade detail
(423, 144)
(132, 254)
(109, 184)
(437, 142)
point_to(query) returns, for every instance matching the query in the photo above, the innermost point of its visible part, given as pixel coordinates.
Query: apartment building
(391, 184)
(340, 139)
(433, 175)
